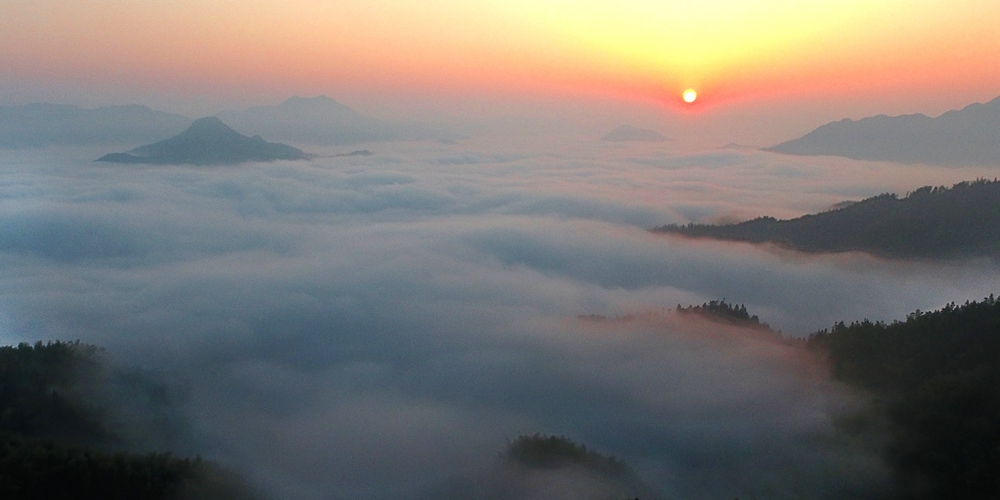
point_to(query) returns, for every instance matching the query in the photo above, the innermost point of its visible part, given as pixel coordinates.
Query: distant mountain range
(323, 121)
(970, 136)
(41, 125)
(627, 133)
(318, 120)
(207, 141)
(961, 221)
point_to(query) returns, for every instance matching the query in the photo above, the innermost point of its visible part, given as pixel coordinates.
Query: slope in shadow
(931, 222)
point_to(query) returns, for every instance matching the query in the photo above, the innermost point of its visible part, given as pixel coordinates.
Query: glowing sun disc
(689, 95)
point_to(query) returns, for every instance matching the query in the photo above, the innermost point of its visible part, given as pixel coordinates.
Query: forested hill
(931, 222)
(64, 432)
(935, 380)
(720, 310)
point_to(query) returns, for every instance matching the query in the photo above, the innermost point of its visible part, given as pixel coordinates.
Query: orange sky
(734, 52)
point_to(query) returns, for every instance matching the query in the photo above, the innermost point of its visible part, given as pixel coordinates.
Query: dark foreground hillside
(551, 467)
(931, 222)
(935, 384)
(59, 438)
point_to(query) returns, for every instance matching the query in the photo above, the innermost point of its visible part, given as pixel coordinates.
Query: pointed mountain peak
(209, 124)
(208, 141)
(210, 128)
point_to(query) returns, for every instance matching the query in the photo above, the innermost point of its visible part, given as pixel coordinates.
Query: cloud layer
(380, 326)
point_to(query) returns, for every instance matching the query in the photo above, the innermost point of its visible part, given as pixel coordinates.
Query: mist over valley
(384, 325)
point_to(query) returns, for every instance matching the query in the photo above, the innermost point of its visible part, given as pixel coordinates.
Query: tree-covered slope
(720, 310)
(60, 438)
(552, 467)
(931, 222)
(935, 383)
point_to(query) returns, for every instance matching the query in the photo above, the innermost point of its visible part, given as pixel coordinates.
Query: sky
(794, 64)
(379, 326)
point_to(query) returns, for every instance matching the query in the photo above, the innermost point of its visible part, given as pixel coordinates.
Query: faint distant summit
(359, 152)
(319, 101)
(41, 125)
(969, 136)
(207, 141)
(627, 133)
(323, 121)
(312, 120)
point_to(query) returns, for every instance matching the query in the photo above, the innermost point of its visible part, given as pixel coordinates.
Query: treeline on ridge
(931, 386)
(935, 387)
(931, 222)
(539, 451)
(720, 310)
(59, 439)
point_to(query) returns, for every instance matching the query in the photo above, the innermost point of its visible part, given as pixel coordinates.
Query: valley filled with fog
(380, 326)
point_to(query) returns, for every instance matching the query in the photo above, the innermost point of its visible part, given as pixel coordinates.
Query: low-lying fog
(378, 327)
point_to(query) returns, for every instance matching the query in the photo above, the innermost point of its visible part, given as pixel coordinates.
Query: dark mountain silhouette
(64, 432)
(551, 467)
(930, 222)
(970, 136)
(41, 125)
(934, 386)
(318, 120)
(207, 141)
(724, 312)
(629, 133)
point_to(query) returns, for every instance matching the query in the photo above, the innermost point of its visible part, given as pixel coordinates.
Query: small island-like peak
(208, 141)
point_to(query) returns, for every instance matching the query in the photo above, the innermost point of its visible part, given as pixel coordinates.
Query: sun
(689, 95)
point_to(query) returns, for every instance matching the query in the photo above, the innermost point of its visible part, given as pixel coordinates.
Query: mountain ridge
(929, 223)
(967, 136)
(207, 141)
(318, 120)
(40, 125)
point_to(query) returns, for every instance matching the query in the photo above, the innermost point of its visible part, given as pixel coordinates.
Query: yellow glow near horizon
(645, 48)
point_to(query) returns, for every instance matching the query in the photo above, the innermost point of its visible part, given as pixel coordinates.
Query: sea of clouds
(379, 327)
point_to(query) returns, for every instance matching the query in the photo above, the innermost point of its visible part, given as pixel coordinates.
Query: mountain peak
(630, 133)
(315, 120)
(209, 125)
(208, 141)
